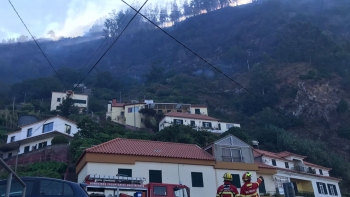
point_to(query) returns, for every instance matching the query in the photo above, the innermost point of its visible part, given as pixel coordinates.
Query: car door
(55, 188)
(16, 188)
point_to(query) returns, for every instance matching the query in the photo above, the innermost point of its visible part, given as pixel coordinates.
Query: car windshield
(16, 188)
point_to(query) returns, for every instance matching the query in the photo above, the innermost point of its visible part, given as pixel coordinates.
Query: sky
(68, 18)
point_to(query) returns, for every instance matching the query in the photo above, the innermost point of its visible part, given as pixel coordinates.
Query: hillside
(291, 54)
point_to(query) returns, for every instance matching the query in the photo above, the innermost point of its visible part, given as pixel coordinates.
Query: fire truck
(124, 186)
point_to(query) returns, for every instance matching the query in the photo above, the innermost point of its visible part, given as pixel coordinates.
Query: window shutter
(236, 181)
(318, 187)
(325, 188)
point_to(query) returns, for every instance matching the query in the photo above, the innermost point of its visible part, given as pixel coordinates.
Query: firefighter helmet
(227, 176)
(247, 176)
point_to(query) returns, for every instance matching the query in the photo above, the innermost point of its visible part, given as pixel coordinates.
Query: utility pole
(134, 117)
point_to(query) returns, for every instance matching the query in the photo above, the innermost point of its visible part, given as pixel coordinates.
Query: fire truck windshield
(180, 192)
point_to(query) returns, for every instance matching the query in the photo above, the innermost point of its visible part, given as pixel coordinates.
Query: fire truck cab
(124, 186)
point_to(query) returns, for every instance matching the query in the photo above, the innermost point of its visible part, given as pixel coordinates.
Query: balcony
(305, 194)
(232, 159)
(304, 169)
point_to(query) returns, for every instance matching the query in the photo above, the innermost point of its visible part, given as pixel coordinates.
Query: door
(295, 187)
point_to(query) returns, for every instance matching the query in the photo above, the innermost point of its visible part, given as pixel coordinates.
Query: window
(26, 149)
(141, 120)
(48, 127)
(136, 109)
(193, 123)
(274, 162)
(179, 110)
(159, 190)
(129, 109)
(321, 173)
(168, 110)
(10, 155)
(79, 101)
(286, 164)
(13, 138)
(321, 187)
(155, 176)
(127, 172)
(29, 132)
(232, 155)
(122, 113)
(58, 99)
(53, 188)
(160, 111)
(262, 188)
(68, 128)
(178, 121)
(207, 124)
(197, 111)
(16, 188)
(42, 144)
(197, 179)
(236, 181)
(332, 190)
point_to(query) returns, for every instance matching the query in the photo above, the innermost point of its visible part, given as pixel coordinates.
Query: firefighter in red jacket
(250, 189)
(227, 189)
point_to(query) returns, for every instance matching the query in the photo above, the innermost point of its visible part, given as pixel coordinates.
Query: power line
(137, 12)
(37, 44)
(102, 55)
(327, 140)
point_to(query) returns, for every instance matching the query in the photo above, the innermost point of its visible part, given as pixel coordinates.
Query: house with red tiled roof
(163, 162)
(306, 177)
(197, 114)
(197, 121)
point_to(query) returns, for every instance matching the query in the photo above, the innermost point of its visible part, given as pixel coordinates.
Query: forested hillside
(293, 55)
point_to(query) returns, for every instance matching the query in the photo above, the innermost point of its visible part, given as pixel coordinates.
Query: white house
(165, 162)
(306, 177)
(197, 121)
(37, 135)
(79, 100)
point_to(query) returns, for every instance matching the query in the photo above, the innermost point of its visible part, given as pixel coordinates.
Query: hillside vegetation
(294, 55)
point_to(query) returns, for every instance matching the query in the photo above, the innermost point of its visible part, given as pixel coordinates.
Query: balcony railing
(304, 169)
(232, 159)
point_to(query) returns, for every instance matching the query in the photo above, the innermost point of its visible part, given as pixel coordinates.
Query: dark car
(42, 186)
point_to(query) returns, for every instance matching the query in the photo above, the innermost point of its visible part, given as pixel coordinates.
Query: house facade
(128, 113)
(79, 100)
(307, 178)
(165, 162)
(197, 121)
(37, 135)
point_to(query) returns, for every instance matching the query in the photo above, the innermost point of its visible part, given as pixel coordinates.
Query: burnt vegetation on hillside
(294, 55)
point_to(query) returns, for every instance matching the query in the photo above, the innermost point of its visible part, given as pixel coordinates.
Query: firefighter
(250, 189)
(227, 189)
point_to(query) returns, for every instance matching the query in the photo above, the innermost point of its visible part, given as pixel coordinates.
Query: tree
(67, 107)
(59, 140)
(175, 12)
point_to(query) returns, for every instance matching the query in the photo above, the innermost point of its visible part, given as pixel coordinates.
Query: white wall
(37, 129)
(198, 123)
(62, 95)
(313, 180)
(269, 183)
(171, 173)
(279, 163)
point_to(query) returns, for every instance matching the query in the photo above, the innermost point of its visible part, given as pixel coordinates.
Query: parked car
(42, 186)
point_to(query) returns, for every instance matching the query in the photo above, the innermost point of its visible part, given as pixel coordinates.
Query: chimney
(114, 101)
(255, 144)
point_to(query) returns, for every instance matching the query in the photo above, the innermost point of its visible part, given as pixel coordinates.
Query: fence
(37, 158)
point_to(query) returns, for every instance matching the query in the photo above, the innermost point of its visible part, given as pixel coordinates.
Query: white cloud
(6, 34)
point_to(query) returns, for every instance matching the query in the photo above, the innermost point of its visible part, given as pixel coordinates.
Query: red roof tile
(190, 116)
(314, 165)
(122, 146)
(261, 165)
(286, 154)
(116, 104)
